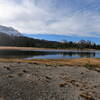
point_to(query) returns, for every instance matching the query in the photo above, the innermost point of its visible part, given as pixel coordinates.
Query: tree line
(22, 41)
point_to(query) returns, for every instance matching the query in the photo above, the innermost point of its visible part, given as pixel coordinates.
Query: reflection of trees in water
(67, 54)
(27, 54)
(88, 54)
(22, 54)
(80, 54)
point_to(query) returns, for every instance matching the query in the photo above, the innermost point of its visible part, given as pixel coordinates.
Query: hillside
(9, 31)
(9, 40)
(11, 37)
(22, 41)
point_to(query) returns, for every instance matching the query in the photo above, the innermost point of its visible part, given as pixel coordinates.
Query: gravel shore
(32, 81)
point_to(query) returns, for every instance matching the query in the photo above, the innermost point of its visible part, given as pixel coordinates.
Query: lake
(48, 54)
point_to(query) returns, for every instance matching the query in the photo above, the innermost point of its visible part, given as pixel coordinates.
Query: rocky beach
(38, 81)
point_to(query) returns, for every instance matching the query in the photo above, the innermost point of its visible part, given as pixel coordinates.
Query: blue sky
(74, 18)
(55, 37)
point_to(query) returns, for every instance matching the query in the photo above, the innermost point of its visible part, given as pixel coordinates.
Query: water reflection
(47, 54)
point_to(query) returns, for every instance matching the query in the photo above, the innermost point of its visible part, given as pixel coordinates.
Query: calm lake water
(48, 54)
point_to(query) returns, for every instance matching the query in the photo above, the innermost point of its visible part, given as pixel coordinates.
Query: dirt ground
(33, 81)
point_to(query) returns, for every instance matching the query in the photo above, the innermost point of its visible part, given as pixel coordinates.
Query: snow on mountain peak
(9, 31)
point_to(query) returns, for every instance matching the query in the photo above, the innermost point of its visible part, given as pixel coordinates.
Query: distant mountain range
(9, 31)
(11, 37)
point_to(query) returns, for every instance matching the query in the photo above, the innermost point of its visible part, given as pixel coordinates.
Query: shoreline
(70, 62)
(50, 79)
(34, 48)
(89, 63)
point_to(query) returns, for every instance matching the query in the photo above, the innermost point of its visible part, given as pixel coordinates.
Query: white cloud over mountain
(68, 17)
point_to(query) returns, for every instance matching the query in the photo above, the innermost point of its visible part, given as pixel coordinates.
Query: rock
(97, 69)
(7, 68)
(87, 96)
(47, 77)
(25, 71)
(62, 84)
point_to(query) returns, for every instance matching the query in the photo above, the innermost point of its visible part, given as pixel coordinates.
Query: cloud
(68, 17)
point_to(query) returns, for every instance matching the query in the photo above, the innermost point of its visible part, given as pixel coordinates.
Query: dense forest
(22, 41)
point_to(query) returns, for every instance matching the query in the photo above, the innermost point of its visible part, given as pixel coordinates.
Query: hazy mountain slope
(9, 31)
(11, 37)
(22, 41)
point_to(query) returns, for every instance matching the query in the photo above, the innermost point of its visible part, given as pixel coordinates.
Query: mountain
(9, 31)
(23, 41)
(11, 37)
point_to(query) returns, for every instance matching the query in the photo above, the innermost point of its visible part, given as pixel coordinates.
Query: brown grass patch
(59, 62)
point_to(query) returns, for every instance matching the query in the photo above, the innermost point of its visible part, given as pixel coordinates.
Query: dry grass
(60, 62)
(34, 48)
(19, 48)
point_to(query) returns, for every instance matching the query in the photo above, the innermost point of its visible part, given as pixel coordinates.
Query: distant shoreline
(34, 48)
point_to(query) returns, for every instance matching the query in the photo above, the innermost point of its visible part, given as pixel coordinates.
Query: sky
(62, 17)
(55, 37)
